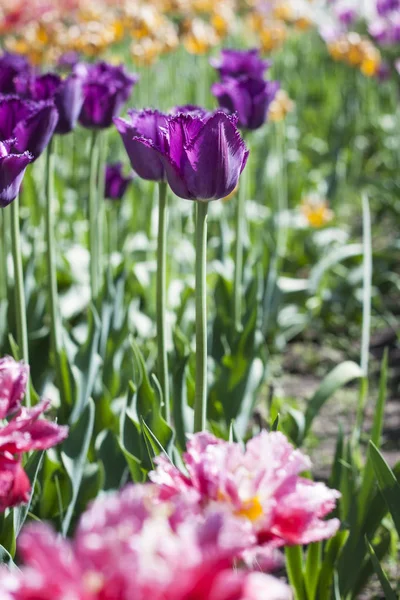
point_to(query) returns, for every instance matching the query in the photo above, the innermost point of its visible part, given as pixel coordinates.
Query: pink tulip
(261, 484)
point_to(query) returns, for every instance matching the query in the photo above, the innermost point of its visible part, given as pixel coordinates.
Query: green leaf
(182, 413)
(340, 376)
(367, 285)
(109, 452)
(74, 457)
(32, 468)
(294, 567)
(387, 588)
(387, 483)
(313, 566)
(87, 366)
(334, 256)
(376, 433)
(6, 559)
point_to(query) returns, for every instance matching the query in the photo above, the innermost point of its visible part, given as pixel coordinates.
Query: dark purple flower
(32, 124)
(249, 97)
(384, 7)
(106, 88)
(346, 15)
(11, 65)
(116, 183)
(67, 95)
(68, 60)
(191, 109)
(383, 73)
(203, 159)
(12, 168)
(144, 126)
(234, 63)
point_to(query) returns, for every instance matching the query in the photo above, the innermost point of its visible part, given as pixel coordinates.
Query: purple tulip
(11, 65)
(384, 7)
(203, 159)
(142, 132)
(32, 124)
(12, 168)
(67, 95)
(249, 97)
(346, 15)
(106, 88)
(234, 63)
(115, 183)
(68, 60)
(191, 109)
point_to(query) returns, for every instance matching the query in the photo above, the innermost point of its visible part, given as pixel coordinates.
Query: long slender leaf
(388, 484)
(387, 588)
(74, 456)
(340, 376)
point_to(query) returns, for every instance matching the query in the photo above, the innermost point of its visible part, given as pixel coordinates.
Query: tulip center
(251, 509)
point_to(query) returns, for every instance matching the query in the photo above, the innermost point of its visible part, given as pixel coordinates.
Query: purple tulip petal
(12, 169)
(68, 101)
(35, 132)
(144, 126)
(12, 111)
(249, 97)
(234, 63)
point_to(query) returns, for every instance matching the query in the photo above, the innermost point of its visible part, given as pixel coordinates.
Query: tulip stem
(55, 320)
(200, 405)
(20, 306)
(238, 275)
(3, 262)
(94, 231)
(162, 358)
(103, 149)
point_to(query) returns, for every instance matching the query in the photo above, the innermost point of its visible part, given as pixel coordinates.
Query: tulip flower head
(236, 63)
(261, 484)
(203, 157)
(248, 96)
(24, 432)
(67, 95)
(30, 123)
(105, 90)
(115, 183)
(12, 168)
(142, 133)
(12, 65)
(129, 546)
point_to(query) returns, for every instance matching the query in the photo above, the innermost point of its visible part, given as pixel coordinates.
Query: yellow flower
(283, 12)
(280, 106)
(200, 37)
(272, 35)
(316, 211)
(302, 23)
(146, 51)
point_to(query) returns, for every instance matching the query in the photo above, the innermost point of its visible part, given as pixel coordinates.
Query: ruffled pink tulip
(131, 546)
(261, 484)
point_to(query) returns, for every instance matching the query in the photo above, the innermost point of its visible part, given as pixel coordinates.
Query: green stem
(162, 358)
(55, 318)
(238, 275)
(20, 306)
(3, 262)
(200, 405)
(281, 230)
(103, 149)
(94, 230)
